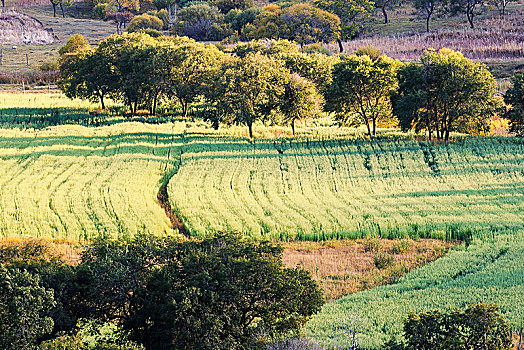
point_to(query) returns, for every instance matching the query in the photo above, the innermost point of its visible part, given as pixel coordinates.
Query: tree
(360, 91)
(76, 43)
(87, 75)
(471, 8)
(446, 93)
(386, 5)
(426, 9)
(352, 13)
(248, 89)
(61, 4)
(192, 68)
(515, 98)
(308, 24)
(501, 5)
(479, 326)
(145, 21)
(315, 67)
(227, 5)
(24, 308)
(300, 100)
(220, 293)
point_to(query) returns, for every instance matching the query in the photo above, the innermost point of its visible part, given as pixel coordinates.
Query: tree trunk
(54, 9)
(250, 127)
(520, 339)
(3, 3)
(429, 131)
(62, 9)
(369, 128)
(385, 15)
(102, 101)
(427, 24)
(293, 126)
(340, 46)
(447, 135)
(374, 127)
(469, 14)
(184, 108)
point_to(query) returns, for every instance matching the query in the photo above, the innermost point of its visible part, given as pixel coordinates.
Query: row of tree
(274, 82)
(223, 292)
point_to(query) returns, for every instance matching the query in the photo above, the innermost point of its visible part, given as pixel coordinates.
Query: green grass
(488, 271)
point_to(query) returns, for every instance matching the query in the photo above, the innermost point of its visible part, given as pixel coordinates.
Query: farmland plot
(79, 183)
(349, 187)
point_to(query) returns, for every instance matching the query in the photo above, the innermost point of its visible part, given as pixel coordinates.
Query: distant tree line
(279, 83)
(222, 292)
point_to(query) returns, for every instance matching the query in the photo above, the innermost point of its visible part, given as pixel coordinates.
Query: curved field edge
(317, 188)
(491, 270)
(74, 182)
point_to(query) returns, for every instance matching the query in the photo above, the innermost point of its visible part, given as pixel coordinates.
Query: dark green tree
(219, 293)
(515, 98)
(427, 9)
(24, 309)
(479, 326)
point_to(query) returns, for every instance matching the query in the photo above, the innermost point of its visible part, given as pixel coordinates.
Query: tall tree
(501, 5)
(427, 9)
(361, 89)
(515, 98)
(300, 100)
(446, 93)
(471, 8)
(385, 6)
(193, 67)
(60, 3)
(248, 89)
(352, 13)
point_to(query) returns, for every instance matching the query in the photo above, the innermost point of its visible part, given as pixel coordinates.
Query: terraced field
(349, 187)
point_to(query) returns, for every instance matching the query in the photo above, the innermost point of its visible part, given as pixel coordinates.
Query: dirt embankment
(17, 28)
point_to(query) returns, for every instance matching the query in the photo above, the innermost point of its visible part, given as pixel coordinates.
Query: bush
(145, 21)
(372, 245)
(202, 22)
(315, 48)
(382, 260)
(479, 326)
(65, 342)
(75, 44)
(100, 10)
(225, 6)
(24, 306)
(370, 51)
(401, 247)
(152, 33)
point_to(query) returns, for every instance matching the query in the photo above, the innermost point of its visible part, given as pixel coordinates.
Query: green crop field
(311, 188)
(488, 271)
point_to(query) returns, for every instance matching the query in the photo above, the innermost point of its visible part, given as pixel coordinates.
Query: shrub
(145, 21)
(479, 326)
(315, 48)
(100, 10)
(382, 260)
(49, 66)
(225, 6)
(75, 44)
(65, 342)
(151, 32)
(401, 246)
(372, 245)
(370, 51)
(203, 22)
(24, 305)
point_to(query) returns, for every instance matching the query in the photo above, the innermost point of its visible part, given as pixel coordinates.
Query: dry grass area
(349, 266)
(24, 248)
